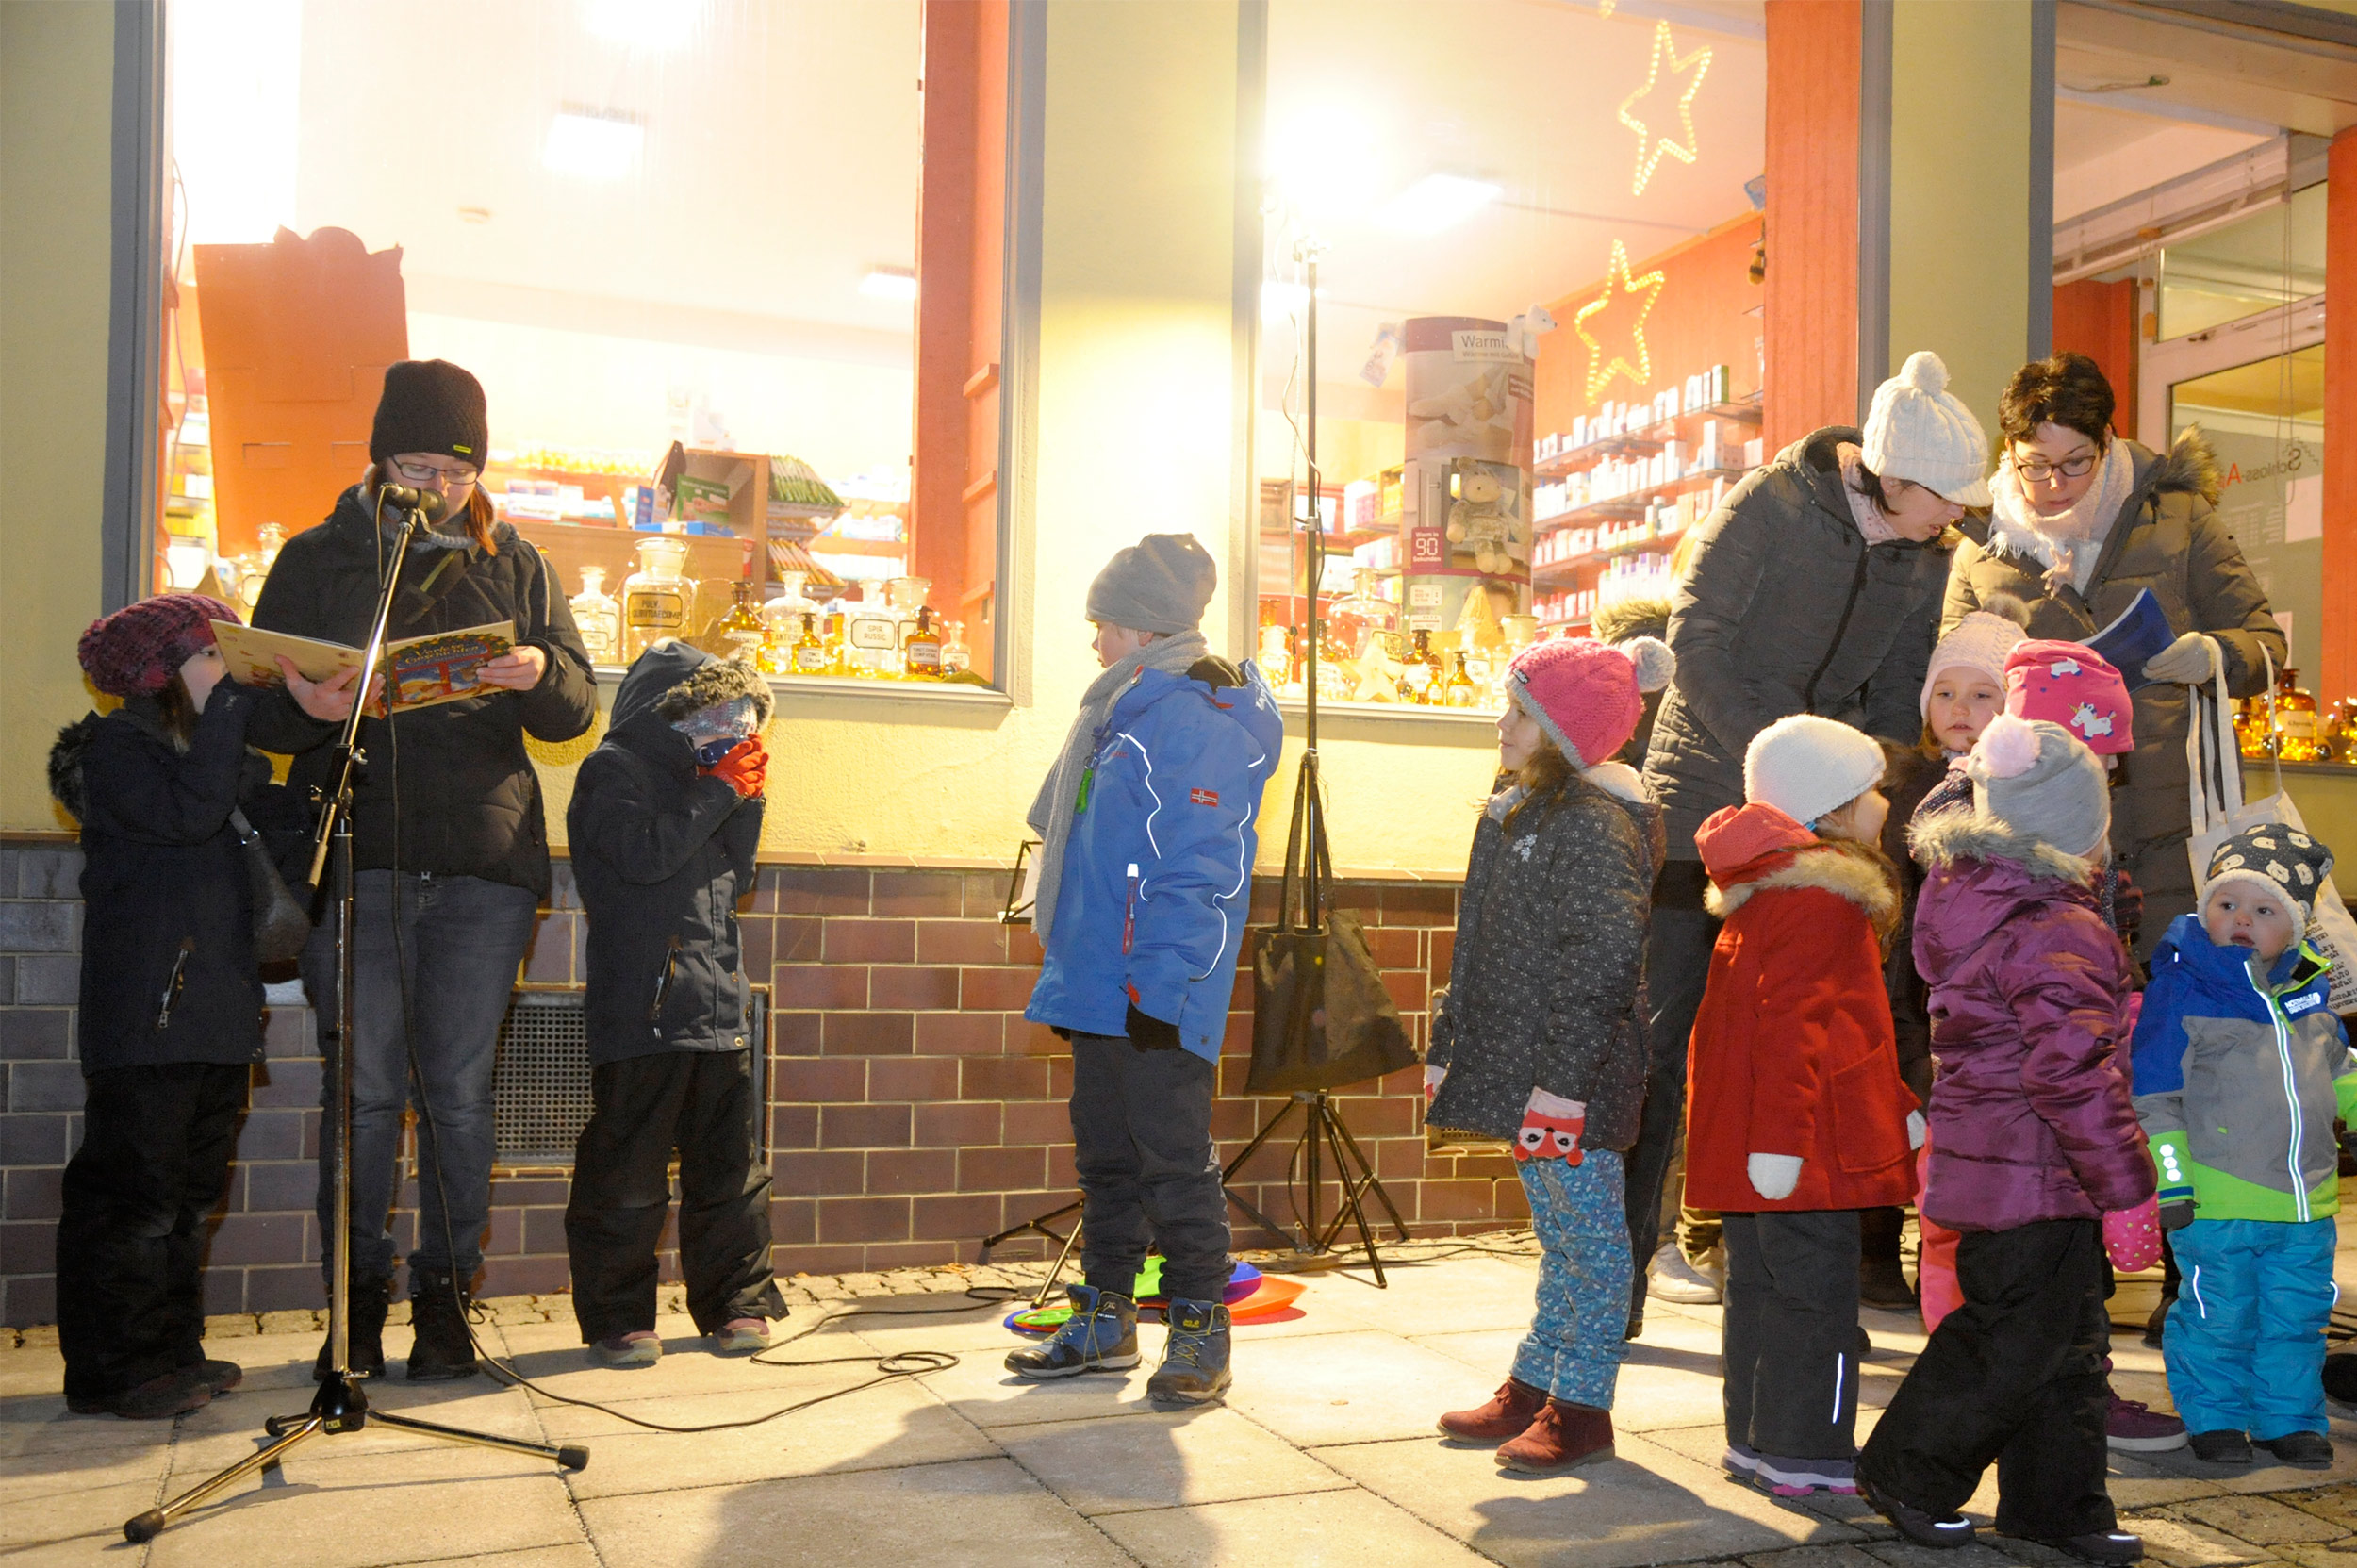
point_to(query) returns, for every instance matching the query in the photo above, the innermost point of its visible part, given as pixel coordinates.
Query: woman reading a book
(448, 843)
(2084, 520)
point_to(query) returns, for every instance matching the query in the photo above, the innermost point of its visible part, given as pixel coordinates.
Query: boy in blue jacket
(1147, 845)
(2240, 1066)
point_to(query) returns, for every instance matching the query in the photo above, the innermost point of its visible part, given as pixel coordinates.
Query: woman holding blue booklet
(2082, 521)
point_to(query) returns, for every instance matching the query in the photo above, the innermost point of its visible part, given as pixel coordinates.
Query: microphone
(431, 502)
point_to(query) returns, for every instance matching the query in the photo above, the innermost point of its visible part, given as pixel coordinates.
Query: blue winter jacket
(1158, 873)
(2238, 1082)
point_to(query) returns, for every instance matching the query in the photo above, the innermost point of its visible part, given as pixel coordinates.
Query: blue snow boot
(1194, 1364)
(1101, 1335)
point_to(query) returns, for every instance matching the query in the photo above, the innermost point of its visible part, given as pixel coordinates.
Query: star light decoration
(1619, 286)
(1650, 145)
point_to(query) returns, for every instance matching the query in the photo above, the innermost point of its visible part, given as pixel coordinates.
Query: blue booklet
(2139, 633)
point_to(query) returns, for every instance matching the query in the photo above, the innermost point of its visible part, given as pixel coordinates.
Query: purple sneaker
(2135, 1428)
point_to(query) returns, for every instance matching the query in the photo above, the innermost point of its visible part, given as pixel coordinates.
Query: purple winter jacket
(2031, 1118)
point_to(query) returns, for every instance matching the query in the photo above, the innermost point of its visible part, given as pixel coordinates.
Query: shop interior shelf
(1626, 546)
(1646, 439)
(1633, 504)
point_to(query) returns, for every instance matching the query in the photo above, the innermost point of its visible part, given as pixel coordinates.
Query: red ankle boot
(1562, 1437)
(1509, 1413)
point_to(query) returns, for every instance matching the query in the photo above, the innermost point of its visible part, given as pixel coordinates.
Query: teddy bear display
(1477, 522)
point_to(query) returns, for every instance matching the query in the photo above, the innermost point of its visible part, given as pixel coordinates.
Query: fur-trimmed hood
(673, 678)
(1631, 618)
(1856, 871)
(65, 763)
(1947, 837)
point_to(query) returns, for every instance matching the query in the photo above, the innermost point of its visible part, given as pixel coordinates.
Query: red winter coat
(1792, 1051)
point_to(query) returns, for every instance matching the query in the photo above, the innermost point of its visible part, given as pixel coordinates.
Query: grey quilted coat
(2169, 540)
(1785, 609)
(1546, 986)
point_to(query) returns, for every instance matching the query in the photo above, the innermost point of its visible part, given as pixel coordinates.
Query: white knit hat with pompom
(1917, 431)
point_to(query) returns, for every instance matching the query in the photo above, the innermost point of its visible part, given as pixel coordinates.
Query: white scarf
(2067, 543)
(1059, 797)
(1869, 516)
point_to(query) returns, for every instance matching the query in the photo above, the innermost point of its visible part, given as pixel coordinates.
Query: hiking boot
(174, 1392)
(1101, 1335)
(2306, 1450)
(740, 1336)
(1883, 1284)
(217, 1376)
(1509, 1413)
(1673, 1278)
(2135, 1428)
(444, 1348)
(2222, 1446)
(1564, 1437)
(2112, 1548)
(364, 1331)
(1914, 1523)
(640, 1348)
(1194, 1364)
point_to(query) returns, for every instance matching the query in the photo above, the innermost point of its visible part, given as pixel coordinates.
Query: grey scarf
(1059, 797)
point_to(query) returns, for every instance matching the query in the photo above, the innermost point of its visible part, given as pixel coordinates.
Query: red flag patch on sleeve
(1204, 797)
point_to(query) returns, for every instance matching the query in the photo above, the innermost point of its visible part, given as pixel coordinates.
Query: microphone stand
(341, 1405)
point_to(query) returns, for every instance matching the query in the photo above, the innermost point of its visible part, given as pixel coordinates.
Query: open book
(421, 671)
(2135, 634)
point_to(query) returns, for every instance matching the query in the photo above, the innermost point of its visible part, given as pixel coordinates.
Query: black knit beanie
(431, 405)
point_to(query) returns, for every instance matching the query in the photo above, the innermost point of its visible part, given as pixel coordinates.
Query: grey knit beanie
(1160, 584)
(2041, 781)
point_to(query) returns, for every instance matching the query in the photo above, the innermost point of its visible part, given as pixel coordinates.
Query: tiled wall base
(912, 1110)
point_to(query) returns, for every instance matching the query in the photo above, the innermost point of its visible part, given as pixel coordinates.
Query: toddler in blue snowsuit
(2240, 1066)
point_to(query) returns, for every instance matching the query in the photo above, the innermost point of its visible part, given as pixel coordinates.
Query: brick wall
(912, 1110)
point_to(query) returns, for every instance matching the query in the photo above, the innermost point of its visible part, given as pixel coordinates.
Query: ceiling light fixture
(1437, 201)
(1651, 146)
(644, 24)
(593, 144)
(890, 283)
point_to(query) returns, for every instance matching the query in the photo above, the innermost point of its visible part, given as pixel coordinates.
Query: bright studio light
(1280, 299)
(1437, 201)
(644, 24)
(593, 144)
(1323, 163)
(889, 282)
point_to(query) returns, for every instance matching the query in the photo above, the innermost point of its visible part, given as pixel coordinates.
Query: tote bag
(2220, 812)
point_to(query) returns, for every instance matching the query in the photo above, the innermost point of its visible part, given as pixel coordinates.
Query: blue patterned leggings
(1576, 1342)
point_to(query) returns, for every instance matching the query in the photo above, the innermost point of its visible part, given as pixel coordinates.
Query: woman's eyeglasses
(2037, 470)
(426, 473)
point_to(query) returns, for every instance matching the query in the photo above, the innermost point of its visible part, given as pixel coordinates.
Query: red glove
(1551, 1128)
(746, 769)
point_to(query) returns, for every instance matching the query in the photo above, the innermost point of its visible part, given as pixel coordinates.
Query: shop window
(740, 367)
(1537, 236)
(2271, 257)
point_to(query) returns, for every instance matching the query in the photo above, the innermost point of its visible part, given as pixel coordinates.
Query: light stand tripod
(1306, 843)
(340, 1406)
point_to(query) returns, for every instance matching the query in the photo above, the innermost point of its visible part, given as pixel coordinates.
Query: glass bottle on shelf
(655, 597)
(2250, 728)
(739, 633)
(1460, 691)
(782, 622)
(811, 655)
(871, 634)
(1353, 621)
(2294, 720)
(956, 657)
(598, 618)
(1417, 676)
(907, 597)
(920, 655)
(1276, 657)
(2337, 737)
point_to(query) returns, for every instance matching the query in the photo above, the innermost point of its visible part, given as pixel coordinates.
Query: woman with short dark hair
(2083, 519)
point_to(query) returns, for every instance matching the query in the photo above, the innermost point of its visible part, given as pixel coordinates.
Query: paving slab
(77, 1529)
(1334, 1529)
(1163, 1459)
(32, 1425)
(975, 1511)
(1648, 1505)
(551, 1354)
(894, 1424)
(230, 1428)
(2261, 1521)
(1443, 1298)
(1356, 1388)
(980, 1388)
(2180, 1543)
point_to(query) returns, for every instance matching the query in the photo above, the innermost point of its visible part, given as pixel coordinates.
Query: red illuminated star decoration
(1652, 145)
(1629, 357)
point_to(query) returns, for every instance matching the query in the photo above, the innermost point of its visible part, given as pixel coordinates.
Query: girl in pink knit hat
(1540, 1037)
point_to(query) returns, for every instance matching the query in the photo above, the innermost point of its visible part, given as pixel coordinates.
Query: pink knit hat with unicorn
(2071, 685)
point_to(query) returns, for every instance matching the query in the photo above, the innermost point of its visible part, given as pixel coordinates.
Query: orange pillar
(2340, 420)
(1811, 314)
(2098, 320)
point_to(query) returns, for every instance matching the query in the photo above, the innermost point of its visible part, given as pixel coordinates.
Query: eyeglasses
(426, 473)
(2037, 470)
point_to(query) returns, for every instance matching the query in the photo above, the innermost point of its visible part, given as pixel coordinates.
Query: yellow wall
(57, 73)
(1960, 192)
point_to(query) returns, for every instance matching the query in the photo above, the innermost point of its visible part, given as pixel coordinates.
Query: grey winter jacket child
(1546, 985)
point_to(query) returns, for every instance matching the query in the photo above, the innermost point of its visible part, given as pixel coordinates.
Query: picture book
(442, 667)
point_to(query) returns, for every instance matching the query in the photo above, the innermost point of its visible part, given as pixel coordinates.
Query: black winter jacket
(661, 853)
(1546, 985)
(1785, 609)
(469, 801)
(167, 966)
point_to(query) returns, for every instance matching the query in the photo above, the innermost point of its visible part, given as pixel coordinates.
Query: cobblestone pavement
(1324, 1453)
